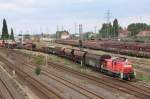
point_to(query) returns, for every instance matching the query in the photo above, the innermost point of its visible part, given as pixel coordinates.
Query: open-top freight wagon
(125, 48)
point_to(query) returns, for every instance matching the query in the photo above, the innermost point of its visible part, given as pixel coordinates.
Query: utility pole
(62, 28)
(47, 30)
(141, 21)
(21, 37)
(46, 60)
(75, 28)
(95, 29)
(57, 32)
(57, 27)
(80, 41)
(40, 30)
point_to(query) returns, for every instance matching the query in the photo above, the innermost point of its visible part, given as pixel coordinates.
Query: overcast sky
(44, 15)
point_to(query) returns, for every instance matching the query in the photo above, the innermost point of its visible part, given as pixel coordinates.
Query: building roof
(144, 33)
(124, 32)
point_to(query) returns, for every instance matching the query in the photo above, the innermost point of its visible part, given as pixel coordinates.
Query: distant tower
(108, 16)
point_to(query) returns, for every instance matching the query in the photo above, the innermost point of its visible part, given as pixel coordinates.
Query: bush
(38, 71)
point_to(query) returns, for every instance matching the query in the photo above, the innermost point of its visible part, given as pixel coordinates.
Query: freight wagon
(127, 48)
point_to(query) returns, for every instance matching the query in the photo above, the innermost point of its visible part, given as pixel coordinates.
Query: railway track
(41, 87)
(137, 91)
(67, 83)
(5, 92)
(89, 94)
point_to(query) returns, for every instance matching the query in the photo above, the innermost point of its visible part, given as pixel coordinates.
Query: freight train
(124, 48)
(115, 66)
(8, 43)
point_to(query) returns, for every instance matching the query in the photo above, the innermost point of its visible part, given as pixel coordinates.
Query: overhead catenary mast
(75, 28)
(80, 40)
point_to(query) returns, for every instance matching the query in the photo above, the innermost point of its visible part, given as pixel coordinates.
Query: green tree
(115, 32)
(12, 35)
(87, 35)
(58, 34)
(5, 34)
(135, 28)
(106, 30)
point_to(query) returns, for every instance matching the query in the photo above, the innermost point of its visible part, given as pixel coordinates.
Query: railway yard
(74, 49)
(26, 74)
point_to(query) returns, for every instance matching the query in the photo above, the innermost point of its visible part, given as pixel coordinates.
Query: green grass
(136, 66)
(144, 78)
(84, 82)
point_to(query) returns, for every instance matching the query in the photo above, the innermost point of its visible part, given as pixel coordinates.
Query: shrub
(38, 71)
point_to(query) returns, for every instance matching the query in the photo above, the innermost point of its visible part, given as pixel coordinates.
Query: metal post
(22, 37)
(46, 60)
(80, 41)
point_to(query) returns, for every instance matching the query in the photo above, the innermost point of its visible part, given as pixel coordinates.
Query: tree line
(109, 30)
(135, 28)
(5, 34)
